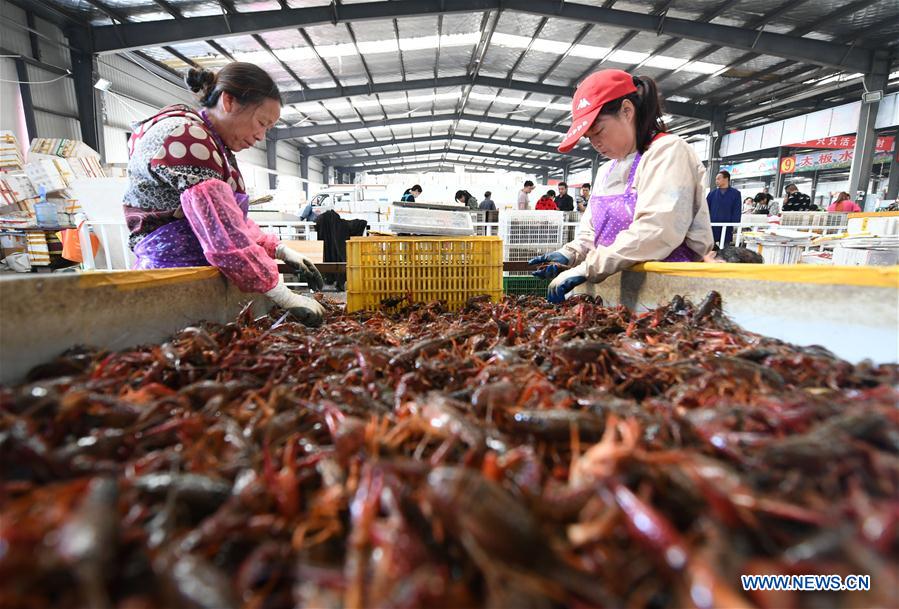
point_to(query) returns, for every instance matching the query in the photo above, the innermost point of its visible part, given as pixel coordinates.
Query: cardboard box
(62, 148)
(21, 186)
(314, 250)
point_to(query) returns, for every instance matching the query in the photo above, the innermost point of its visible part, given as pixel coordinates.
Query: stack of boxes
(10, 159)
(53, 164)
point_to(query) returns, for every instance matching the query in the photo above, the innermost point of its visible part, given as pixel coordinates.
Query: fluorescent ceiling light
(665, 63)
(511, 41)
(838, 77)
(517, 101)
(587, 51)
(703, 67)
(627, 57)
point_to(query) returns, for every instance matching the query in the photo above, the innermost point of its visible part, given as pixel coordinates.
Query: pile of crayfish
(513, 454)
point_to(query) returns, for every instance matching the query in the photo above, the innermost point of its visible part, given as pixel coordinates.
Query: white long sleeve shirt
(670, 210)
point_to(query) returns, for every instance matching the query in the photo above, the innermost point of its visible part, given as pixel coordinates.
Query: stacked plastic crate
(526, 234)
(814, 218)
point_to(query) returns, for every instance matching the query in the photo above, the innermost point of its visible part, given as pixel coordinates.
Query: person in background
(797, 201)
(844, 203)
(523, 199)
(765, 204)
(308, 215)
(584, 197)
(748, 205)
(564, 202)
(410, 194)
(465, 198)
(186, 202)
(547, 201)
(487, 204)
(724, 206)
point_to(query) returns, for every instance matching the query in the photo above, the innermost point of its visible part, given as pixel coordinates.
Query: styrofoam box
(852, 256)
(878, 225)
(431, 221)
(779, 254)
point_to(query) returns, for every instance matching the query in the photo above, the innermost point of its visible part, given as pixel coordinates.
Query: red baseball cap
(597, 90)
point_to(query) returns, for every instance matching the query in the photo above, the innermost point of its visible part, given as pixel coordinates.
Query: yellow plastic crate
(422, 269)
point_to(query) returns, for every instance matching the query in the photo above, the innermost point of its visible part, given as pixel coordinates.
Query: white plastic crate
(813, 218)
(529, 233)
(531, 228)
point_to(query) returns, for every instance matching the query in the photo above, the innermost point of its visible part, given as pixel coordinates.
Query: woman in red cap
(648, 202)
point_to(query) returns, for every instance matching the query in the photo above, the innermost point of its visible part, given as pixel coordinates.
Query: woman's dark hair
(461, 194)
(843, 196)
(763, 196)
(247, 82)
(550, 193)
(649, 110)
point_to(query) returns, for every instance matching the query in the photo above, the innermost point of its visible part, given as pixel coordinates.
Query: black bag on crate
(335, 231)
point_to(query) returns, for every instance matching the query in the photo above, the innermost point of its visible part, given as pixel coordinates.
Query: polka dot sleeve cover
(186, 157)
(228, 242)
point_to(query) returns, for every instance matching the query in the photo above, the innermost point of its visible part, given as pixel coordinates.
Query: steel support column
(893, 181)
(271, 162)
(716, 134)
(814, 192)
(27, 103)
(304, 169)
(32, 36)
(778, 177)
(865, 138)
(90, 102)
(565, 171)
(594, 167)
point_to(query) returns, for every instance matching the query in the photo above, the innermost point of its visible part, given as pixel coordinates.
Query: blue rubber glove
(564, 283)
(552, 270)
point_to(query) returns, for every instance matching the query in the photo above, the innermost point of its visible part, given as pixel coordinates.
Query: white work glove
(307, 311)
(564, 283)
(301, 265)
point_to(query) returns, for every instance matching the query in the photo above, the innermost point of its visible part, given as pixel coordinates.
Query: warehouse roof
(441, 82)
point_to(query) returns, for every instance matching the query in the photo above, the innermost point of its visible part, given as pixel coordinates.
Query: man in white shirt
(523, 202)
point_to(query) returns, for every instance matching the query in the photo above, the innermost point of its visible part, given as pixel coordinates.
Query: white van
(354, 201)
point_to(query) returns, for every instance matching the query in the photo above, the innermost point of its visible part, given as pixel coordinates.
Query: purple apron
(612, 214)
(175, 244)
